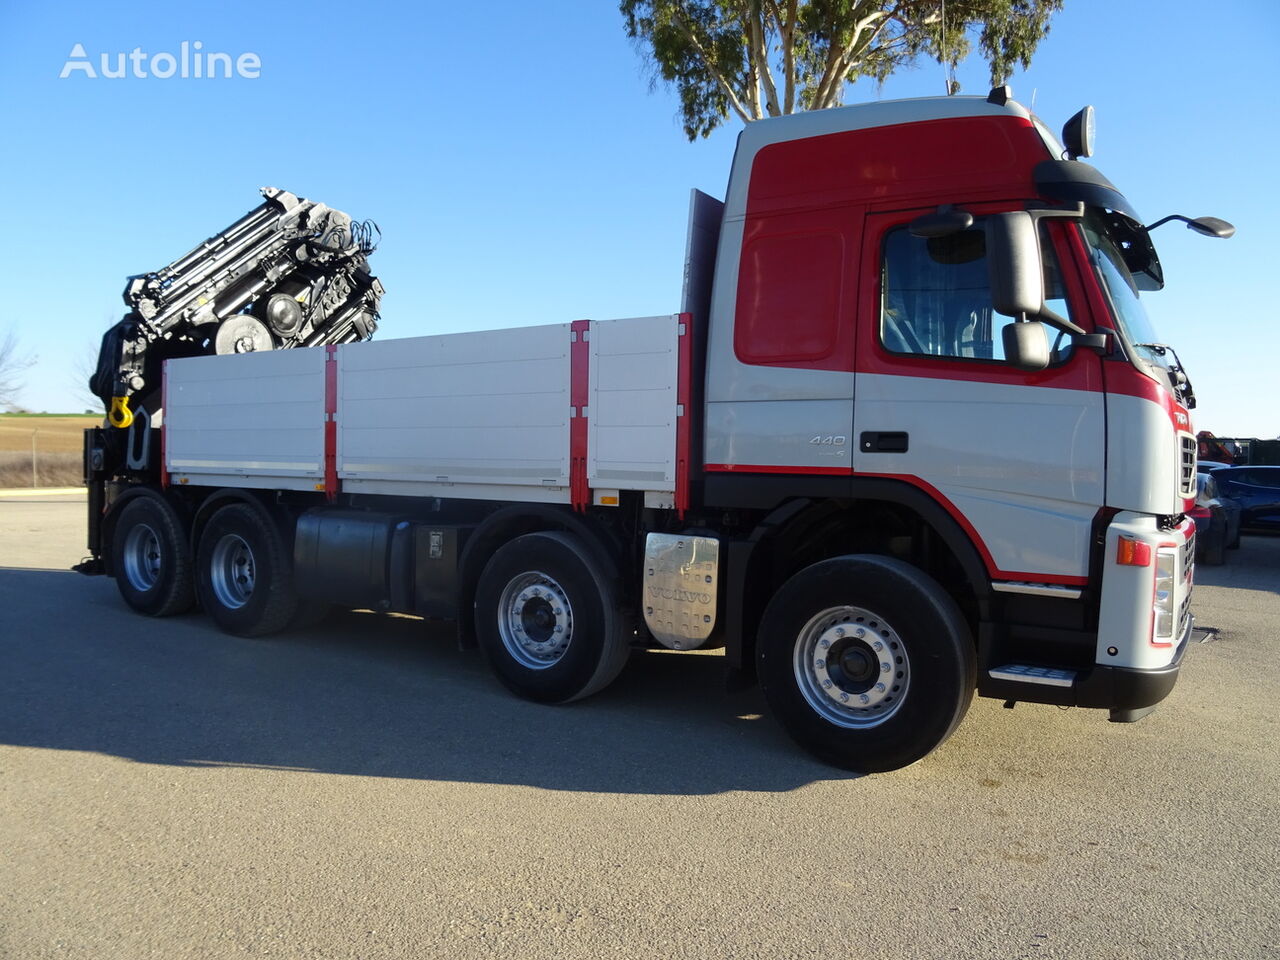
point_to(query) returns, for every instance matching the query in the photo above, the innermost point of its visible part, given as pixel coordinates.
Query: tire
(244, 574)
(547, 620)
(907, 667)
(151, 557)
(1215, 548)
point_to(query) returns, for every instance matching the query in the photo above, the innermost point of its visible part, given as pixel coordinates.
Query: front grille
(1187, 566)
(1187, 465)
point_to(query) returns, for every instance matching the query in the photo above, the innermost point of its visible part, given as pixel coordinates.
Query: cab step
(1026, 673)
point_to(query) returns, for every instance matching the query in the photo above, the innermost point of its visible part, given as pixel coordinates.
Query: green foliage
(759, 58)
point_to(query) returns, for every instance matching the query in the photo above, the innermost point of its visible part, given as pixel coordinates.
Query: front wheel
(547, 619)
(866, 662)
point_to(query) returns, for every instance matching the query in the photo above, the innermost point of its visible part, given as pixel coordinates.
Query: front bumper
(1128, 692)
(1133, 667)
(1131, 690)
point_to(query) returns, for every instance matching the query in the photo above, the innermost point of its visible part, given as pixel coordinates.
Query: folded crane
(290, 273)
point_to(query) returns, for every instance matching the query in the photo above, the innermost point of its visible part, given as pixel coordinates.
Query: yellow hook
(120, 415)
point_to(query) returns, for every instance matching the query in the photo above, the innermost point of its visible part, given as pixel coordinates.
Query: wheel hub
(142, 557)
(851, 666)
(232, 571)
(535, 620)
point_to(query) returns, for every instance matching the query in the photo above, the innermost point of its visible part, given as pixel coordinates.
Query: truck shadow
(363, 695)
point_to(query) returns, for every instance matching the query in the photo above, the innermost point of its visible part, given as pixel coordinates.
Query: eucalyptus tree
(765, 58)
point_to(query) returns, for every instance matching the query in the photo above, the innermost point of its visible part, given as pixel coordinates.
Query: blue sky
(522, 171)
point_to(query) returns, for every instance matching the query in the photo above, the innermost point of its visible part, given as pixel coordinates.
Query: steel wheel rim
(232, 571)
(851, 667)
(535, 620)
(142, 558)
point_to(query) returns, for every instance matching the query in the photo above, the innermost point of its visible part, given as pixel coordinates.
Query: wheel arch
(765, 561)
(510, 522)
(224, 496)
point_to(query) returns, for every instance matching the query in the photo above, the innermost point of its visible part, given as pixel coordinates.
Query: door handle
(879, 441)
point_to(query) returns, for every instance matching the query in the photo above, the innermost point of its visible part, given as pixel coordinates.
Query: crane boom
(290, 273)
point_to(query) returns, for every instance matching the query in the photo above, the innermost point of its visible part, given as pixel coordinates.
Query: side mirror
(1013, 265)
(1212, 227)
(1026, 345)
(943, 222)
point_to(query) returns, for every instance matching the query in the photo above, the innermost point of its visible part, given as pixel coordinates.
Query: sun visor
(1070, 181)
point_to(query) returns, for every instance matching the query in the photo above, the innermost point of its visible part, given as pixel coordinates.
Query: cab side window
(936, 302)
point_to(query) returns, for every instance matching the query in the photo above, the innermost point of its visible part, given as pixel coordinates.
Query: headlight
(1162, 602)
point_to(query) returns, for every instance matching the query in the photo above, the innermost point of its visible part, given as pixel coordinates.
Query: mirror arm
(1059, 323)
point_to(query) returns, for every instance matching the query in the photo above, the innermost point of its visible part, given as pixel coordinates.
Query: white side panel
(631, 420)
(1143, 453)
(487, 408)
(1024, 465)
(780, 433)
(258, 416)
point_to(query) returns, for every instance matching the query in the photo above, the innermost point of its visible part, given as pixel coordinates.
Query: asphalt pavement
(363, 789)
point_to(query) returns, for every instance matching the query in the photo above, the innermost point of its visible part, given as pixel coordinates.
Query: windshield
(1130, 315)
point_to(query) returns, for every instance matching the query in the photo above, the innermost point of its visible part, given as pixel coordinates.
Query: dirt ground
(59, 440)
(55, 433)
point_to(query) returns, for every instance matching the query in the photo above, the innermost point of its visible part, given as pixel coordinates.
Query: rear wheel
(547, 619)
(244, 572)
(152, 558)
(866, 662)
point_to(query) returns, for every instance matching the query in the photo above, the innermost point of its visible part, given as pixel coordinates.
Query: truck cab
(856, 353)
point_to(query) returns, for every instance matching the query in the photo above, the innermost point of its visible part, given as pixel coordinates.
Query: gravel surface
(362, 789)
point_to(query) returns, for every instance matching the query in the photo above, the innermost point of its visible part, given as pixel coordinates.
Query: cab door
(1017, 457)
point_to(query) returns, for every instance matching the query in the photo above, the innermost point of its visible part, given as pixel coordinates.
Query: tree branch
(857, 46)
(727, 90)
(760, 55)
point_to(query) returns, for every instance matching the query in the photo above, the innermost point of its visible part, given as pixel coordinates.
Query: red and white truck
(909, 436)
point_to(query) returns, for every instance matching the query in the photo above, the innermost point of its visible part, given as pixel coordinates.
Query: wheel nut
(880, 687)
(864, 698)
(561, 630)
(824, 644)
(839, 631)
(844, 697)
(826, 684)
(885, 667)
(859, 632)
(878, 645)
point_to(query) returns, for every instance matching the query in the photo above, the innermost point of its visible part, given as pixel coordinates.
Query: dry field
(58, 443)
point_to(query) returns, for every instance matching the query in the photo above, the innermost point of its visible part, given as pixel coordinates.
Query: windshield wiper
(1177, 373)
